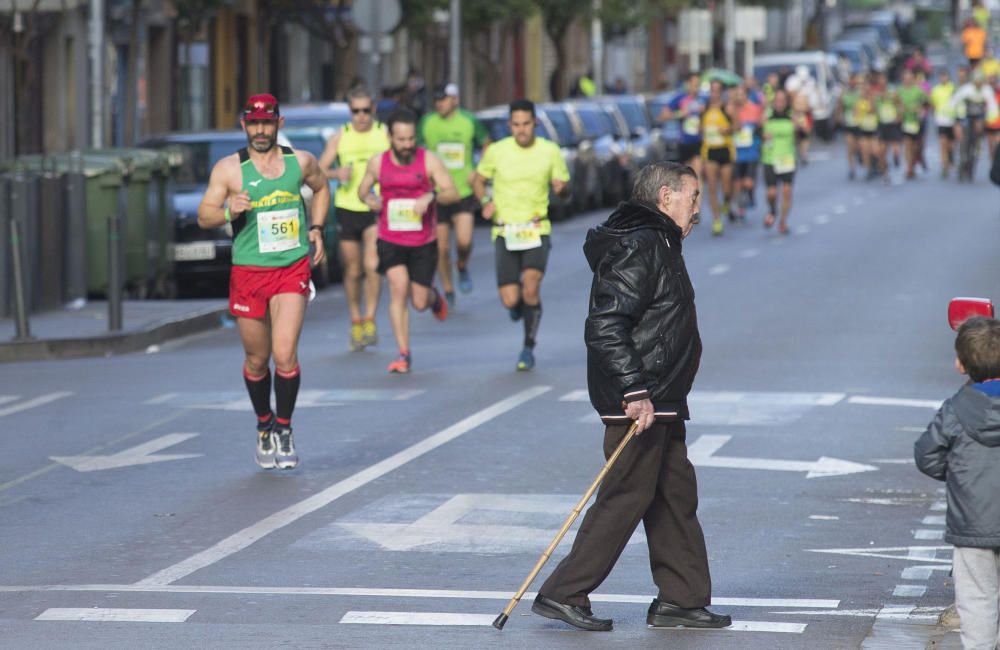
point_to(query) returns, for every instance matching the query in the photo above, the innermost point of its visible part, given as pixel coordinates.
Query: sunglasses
(366, 111)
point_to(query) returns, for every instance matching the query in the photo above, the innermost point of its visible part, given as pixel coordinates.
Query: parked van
(827, 88)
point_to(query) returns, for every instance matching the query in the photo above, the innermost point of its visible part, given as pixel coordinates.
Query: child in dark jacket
(962, 447)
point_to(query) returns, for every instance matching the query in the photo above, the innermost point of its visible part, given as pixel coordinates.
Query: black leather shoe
(663, 614)
(576, 616)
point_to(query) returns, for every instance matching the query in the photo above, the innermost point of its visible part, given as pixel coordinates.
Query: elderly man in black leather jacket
(643, 351)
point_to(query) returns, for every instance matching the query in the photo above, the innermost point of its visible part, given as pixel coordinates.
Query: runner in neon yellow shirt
(522, 168)
(453, 134)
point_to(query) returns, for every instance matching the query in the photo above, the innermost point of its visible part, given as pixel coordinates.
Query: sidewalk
(72, 333)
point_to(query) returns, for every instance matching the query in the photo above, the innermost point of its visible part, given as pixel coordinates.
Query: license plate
(194, 251)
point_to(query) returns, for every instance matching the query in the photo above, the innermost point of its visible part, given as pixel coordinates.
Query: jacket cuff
(635, 396)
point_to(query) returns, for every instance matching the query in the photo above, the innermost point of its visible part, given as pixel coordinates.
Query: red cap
(261, 107)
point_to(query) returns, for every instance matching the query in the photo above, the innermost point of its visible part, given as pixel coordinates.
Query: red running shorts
(252, 287)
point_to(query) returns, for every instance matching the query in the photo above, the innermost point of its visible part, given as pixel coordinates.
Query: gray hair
(653, 176)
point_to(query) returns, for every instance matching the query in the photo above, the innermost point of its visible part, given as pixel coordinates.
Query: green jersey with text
(453, 139)
(273, 232)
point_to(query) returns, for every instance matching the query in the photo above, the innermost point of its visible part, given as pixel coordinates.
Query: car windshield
(314, 143)
(634, 115)
(782, 70)
(564, 129)
(196, 159)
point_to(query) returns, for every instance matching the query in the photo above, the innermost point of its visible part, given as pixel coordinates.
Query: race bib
(403, 216)
(691, 125)
(278, 230)
(911, 127)
(744, 139)
(452, 154)
(784, 164)
(887, 113)
(714, 137)
(869, 122)
(522, 236)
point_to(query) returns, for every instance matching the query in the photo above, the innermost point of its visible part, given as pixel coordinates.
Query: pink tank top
(400, 187)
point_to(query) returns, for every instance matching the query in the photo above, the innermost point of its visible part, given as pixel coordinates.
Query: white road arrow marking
(911, 553)
(702, 453)
(140, 455)
(32, 403)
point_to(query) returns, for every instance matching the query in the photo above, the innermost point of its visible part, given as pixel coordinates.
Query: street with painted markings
(134, 515)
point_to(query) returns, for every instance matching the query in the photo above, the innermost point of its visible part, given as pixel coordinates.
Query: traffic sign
(376, 16)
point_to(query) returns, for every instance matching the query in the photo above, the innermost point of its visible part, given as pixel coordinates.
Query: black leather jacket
(642, 331)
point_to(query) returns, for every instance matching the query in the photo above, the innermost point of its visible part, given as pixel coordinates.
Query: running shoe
(449, 297)
(265, 444)
(369, 334)
(717, 227)
(285, 456)
(464, 281)
(357, 337)
(400, 366)
(515, 312)
(526, 361)
(440, 306)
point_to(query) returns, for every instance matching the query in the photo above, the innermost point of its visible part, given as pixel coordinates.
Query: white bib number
(691, 125)
(403, 216)
(452, 154)
(714, 137)
(911, 127)
(784, 164)
(744, 139)
(522, 236)
(278, 230)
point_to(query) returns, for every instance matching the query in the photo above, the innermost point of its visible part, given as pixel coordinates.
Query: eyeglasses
(366, 111)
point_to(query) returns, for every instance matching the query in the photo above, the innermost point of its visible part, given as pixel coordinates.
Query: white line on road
(113, 615)
(416, 618)
(803, 230)
(840, 209)
(750, 252)
(894, 401)
(890, 612)
(702, 453)
(6, 399)
(939, 506)
(922, 572)
(576, 396)
(752, 626)
(32, 403)
(718, 269)
(909, 591)
(822, 219)
(163, 399)
(928, 534)
(934, 520)
(143, 454)
(912, 429)
(244, 538)
(824, 517)
(356, 592)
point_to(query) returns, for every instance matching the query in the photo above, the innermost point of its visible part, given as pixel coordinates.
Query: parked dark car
(323, 115)
(604, 134)
(203, 257)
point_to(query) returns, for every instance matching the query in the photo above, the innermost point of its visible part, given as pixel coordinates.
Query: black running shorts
(510, 264)
(351, 224)
(420, 261)
(771, 179)
(446, 213)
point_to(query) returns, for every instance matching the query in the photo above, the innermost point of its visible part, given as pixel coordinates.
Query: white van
(818, 64)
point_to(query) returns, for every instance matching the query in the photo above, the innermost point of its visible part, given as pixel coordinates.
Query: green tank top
(453, 140)
(355, 150)
(848, 101)
(779, 149)
(274, 231)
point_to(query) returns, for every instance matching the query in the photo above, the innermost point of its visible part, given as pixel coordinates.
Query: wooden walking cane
(501, 620)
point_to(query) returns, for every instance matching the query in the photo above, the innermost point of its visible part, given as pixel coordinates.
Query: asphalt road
(134, 516)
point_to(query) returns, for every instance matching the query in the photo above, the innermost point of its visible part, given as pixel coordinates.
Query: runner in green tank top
(778, 156)
(351, 148)
(453, 134)
(847, 119)
(258, 192)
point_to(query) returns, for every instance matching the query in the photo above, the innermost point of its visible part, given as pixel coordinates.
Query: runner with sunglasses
(351, 148)
(258, 191)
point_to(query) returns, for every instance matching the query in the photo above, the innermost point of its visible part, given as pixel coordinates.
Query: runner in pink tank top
(407, 225)
(401, 186)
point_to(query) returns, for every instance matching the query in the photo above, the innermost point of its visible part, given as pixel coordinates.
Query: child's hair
(978, 348)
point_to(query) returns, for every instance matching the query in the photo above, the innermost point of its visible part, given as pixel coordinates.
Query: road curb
(112, 342)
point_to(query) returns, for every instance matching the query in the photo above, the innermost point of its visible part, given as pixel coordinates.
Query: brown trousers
(653, 482)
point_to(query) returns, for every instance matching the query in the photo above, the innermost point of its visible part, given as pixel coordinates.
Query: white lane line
(244, 538)
(718, 269)
(920, 572)
(163, 399)
(113, 615)
(6, 399)
(576, 396)
(894, 401)
(32, 403)
(909, 591)
(892, 612)
(934, 520)
(939, 506)
(416, 618)
(893, 461)
(753, 626)
(824, 517)
(803, 230)
(362, 592)
(928, 534)
(750, 252)
(912, 429)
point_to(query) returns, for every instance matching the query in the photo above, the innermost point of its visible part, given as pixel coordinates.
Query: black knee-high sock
(286, 390)
(532, 319)
(773, 203)
(259, 387)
